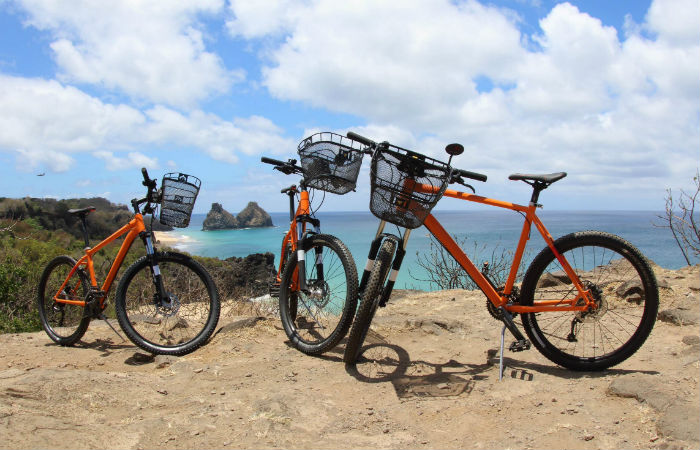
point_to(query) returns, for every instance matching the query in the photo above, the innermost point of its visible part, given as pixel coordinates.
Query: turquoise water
(492, 228)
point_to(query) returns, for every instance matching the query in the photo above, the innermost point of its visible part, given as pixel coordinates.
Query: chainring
(514, 297)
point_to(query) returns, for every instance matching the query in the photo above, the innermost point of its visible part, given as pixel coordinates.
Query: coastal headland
(429, 380)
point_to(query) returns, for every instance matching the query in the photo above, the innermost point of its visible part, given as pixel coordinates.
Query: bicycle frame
(133, 229)
(295, 236)
(582, 301)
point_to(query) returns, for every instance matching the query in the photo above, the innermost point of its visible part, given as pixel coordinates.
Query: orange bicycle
(587, 301)
(166, 302)
(317, 299)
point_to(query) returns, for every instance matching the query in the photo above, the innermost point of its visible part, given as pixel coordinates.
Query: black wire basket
(179, 194)
(394, 176)
(331, 162)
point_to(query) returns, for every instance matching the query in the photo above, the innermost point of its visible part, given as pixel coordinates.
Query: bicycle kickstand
(103, 317)
(520, 343)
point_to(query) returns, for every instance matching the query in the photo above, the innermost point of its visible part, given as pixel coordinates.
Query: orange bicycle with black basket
(166, 302)
(317, 278)
(587, 301)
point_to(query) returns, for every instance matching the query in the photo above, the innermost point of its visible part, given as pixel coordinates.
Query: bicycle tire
(64, 323)
(370, 300)
(316, 321)
(180, 328)
(625, 289)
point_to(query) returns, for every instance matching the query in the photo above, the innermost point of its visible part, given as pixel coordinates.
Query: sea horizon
(488, 230)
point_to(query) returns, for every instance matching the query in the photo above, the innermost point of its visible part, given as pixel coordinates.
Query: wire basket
(331, 162)
(179, 194)
(395, 174)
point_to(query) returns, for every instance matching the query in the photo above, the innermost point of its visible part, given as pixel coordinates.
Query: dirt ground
(431, 382)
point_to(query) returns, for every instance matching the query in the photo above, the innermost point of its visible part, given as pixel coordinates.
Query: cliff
(251, 216)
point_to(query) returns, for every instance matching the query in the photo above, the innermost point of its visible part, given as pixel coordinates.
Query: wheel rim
(619, 293)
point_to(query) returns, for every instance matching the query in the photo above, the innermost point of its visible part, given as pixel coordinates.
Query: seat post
(83, 225)
(537, 187)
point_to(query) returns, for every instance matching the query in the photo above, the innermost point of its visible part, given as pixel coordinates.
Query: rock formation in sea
(251, 216)
(219, 219)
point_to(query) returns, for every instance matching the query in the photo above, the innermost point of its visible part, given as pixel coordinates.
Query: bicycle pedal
(519, 346)
(274, 290)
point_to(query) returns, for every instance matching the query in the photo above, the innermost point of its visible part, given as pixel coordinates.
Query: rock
(678, 316)
(238, 324)
(645, 388)
(253, 216)
(219, 219)
(629, 288)
(252, 273)
(691, 340)
(680, 421)
(553, 279)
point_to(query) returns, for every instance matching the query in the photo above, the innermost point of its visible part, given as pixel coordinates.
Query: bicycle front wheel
(371, 297)
(176, 323)
(317, 319)
(65, 323)
(623, 286)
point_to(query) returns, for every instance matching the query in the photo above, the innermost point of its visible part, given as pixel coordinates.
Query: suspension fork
(146, 236)
(302, 234)
(396, 263)
(395, 266)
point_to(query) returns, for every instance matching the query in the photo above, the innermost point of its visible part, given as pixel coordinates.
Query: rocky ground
(431, 382)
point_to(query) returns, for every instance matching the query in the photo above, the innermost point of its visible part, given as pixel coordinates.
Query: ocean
(490, 230)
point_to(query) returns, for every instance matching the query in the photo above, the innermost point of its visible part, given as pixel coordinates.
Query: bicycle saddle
(82, 211)
(547, 178)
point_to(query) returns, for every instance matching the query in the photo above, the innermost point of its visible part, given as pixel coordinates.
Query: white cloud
(44, 123)
(149, 50)
(579, 99)
(133, 159)
(253, 19)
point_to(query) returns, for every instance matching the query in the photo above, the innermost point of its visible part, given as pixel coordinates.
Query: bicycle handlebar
(468, 174)
(287, 168)
(361, 139)
(274, 162)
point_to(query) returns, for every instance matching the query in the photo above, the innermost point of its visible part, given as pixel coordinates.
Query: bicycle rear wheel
(370, 300)
(180, 322)
(624, 288)
(317, 319)
(64, 323)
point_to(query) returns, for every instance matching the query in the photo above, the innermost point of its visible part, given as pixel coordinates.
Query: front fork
(161, 296)
(395, 266)
(301, 253)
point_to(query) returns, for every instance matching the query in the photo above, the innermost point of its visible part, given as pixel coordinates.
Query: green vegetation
(52, 215)
(31, 236)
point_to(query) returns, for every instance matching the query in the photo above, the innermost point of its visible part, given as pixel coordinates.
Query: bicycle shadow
(382, 361)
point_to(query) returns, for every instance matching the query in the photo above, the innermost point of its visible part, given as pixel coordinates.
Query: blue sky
(606, 91)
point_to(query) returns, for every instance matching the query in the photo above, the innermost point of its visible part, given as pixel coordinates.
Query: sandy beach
(169, 238)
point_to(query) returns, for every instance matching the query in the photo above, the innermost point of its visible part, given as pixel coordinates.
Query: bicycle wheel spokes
(622, 286)
(321, 308)
(316, 319)
(176, 318)
(65, 323)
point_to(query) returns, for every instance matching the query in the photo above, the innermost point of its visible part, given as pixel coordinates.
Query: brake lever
(460, 180)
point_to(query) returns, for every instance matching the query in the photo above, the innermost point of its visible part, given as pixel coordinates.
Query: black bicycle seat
(547, 178)
(82, 211)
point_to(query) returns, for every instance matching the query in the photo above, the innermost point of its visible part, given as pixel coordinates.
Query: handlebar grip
(472, 175)
(360, 138)
(146, 179)
(274, 162)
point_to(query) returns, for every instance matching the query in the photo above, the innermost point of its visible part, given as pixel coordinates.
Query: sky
(607, 91)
